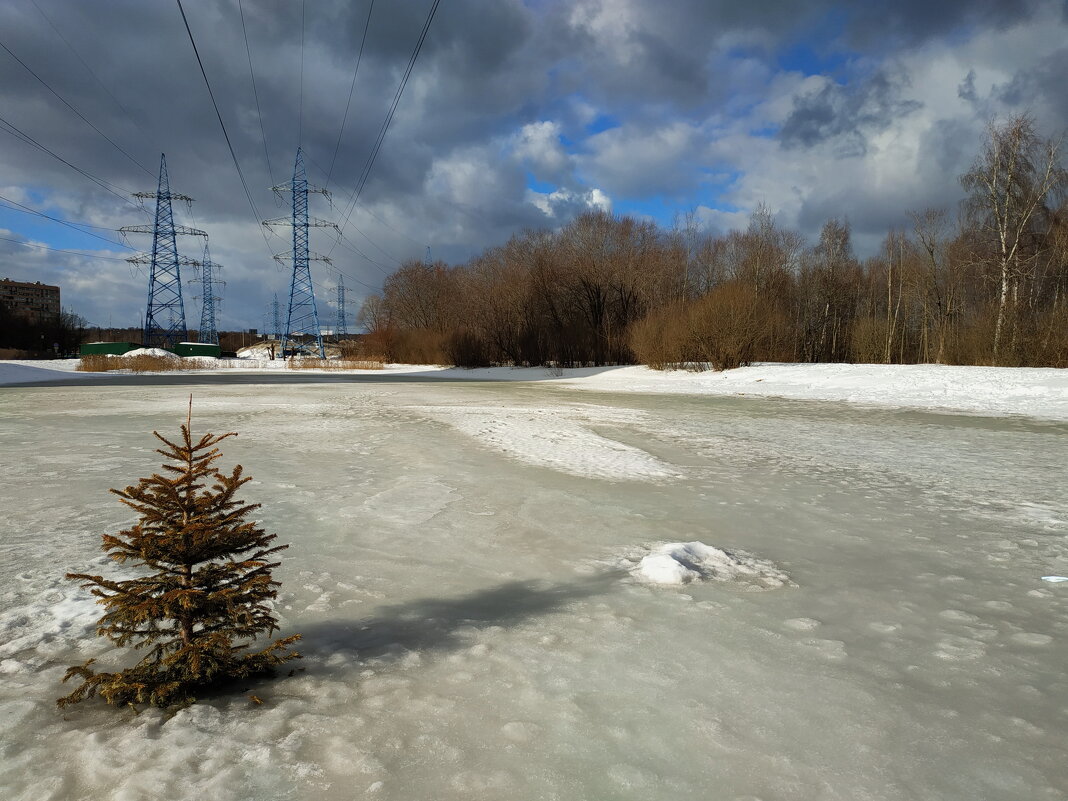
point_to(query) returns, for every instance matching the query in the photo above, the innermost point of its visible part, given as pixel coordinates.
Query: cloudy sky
(518, 114)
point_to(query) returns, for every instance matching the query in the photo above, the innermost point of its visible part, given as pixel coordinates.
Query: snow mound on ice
(683, 562)
(166, 354)
(559, 437)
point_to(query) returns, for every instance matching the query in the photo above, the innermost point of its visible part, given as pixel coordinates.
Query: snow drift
(684, 562)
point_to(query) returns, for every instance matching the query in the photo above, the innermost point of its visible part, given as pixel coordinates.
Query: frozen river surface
(459, 570)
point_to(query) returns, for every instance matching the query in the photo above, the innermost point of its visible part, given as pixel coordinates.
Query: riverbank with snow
(996, 391)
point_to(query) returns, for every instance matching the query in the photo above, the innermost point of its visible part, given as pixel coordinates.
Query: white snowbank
(1040, 392)
(1033, 392)
(166, 354)
(259, 350)
(683, 562)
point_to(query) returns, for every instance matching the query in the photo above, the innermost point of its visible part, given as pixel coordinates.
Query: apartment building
(36, 302)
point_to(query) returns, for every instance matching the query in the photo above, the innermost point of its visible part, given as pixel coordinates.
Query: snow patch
(1039, 392)
(166, 354)
(559, 438)
(676, 563)
(54, 623)
(260, 350)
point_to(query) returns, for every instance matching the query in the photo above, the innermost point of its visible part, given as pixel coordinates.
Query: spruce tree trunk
(186, 621)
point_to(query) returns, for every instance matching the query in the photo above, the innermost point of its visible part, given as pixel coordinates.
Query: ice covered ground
(1035, 392)
(467, 570)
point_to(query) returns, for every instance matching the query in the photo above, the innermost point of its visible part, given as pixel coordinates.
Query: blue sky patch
(52, 233)
(544, 187)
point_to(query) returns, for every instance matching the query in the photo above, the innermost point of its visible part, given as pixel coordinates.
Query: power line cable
(255, 93)
(391, 228)
(75, 226)
(244, 184)
(396, 100)
(315, 164)
(107, 186)
(226, 136)
(374, 244)
(60, 250)
(347, 244)
(351, 278)
(377, 247)
(72, 108)
(352, 87)
(89, 69)
(358, 189)
(300, 116)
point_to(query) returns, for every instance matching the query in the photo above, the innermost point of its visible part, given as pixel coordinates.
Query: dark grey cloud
(1042, 83)
(947, 149)
(867, 214)
(908, 22)
(846, 114)
(966, 89)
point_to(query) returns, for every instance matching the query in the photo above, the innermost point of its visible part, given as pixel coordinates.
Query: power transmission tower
(302, 319)
(209, 300)
(276, 318)
(164, 324)
(340, 327)
(272, 319)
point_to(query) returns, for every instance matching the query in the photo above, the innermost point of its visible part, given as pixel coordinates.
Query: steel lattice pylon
(302, 335)
(340, 325)
(165, 324)
(276, 318)
(208, 331)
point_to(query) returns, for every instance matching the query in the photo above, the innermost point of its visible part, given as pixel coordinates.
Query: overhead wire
(61, 250)
(222, 125)
(255, 93)
(391, 228)
(300, 116)
(107, 186)
(315, 164)
(396, 101)
(88, 68)
(301, 137)
(352, 87)
(377, 247)
(351, 277)
(348, 245)
(373, 156)
(218, 113)
(65, 102)
(75, 226)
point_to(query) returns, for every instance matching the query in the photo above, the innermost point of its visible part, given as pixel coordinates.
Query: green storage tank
(113, 348)
(197, 349)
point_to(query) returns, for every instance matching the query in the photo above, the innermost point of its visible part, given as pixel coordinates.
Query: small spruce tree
(207, 591)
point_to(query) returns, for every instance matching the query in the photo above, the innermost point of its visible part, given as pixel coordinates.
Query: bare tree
(1013, 181)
